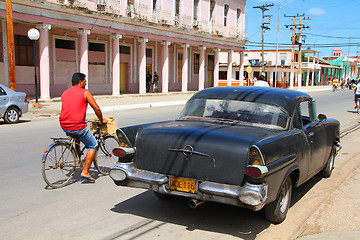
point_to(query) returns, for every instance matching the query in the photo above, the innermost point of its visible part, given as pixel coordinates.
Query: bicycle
(62, 158)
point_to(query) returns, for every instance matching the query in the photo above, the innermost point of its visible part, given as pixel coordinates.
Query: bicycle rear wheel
(105, 159)
(59, 164)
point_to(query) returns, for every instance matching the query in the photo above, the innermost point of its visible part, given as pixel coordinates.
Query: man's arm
(90, 99)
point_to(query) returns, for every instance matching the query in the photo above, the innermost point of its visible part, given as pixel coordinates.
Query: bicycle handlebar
(94, 121)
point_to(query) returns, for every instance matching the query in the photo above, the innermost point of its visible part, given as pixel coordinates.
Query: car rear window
(238, 112)
(2, 91)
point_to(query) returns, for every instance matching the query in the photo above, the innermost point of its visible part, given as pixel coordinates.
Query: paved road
(103, 211)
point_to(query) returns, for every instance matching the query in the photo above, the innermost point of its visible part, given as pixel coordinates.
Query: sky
(332, 24)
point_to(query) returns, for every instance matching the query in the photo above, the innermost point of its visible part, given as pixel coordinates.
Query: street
(31, 210)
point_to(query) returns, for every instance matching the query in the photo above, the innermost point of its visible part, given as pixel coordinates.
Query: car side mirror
(322, 117)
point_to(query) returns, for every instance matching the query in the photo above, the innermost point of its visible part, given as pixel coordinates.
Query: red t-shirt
(73, 109)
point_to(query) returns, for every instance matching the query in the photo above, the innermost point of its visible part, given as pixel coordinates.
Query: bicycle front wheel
(105, 159)
(59, 164)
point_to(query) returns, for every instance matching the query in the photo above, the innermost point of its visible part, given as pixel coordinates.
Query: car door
(4, 99)
(316, 135)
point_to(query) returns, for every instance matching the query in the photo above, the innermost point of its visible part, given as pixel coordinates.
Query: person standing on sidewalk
(74, 103)
(155, 82)
(148, 81)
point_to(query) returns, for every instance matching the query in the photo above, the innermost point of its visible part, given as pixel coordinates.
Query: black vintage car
(244, 146)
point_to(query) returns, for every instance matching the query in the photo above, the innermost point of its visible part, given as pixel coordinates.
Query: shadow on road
(19, 122)
(211, 217)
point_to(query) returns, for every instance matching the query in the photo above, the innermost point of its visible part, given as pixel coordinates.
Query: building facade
(117, 42)
(278, 71)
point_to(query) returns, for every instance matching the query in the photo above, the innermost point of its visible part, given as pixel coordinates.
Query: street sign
(249, 69)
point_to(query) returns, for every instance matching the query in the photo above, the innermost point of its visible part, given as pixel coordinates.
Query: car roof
(285, 98)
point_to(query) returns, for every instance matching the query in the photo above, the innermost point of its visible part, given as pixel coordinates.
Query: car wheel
(327, 170)
(12, 115)
(276, 211)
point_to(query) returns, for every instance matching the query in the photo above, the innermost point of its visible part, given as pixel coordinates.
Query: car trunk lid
(197, 150)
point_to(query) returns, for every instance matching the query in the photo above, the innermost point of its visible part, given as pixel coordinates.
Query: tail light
(122, 151)
(255, 171)
(26, 99)
(255, 156)
(256, 167)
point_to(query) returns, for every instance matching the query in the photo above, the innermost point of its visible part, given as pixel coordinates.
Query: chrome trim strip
(220, 189)
(140, 175)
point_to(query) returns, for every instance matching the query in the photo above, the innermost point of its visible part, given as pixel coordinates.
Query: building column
(84, 54)
(216, 67)
(241, 69)
(5, 51)
(271, 78)
(165, 67)
(307, 77)
(185, 68)
(229, 67)
(115, 64)
(142, 66)
(44, 66)
(202, 68)
(123, 9)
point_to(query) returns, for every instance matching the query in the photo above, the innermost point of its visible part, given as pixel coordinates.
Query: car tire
(12, 115)
(276, 211)
(327, 170)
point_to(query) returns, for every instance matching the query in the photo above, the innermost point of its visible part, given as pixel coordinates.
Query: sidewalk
(109, 103)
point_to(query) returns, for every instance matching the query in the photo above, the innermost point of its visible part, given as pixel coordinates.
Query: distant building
(314, 71)
(348, 65)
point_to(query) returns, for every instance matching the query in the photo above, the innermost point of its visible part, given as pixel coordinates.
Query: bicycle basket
(108, 129)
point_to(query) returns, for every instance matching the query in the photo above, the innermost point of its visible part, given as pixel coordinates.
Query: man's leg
(88, 160)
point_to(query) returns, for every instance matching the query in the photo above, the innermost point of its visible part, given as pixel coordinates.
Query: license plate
(182, 184)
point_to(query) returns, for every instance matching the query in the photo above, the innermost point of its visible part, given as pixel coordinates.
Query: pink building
(116, 42)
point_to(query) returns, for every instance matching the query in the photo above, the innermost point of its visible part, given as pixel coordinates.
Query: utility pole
(301, 39)
(10, 39)
(264, 27)
(357, 62)
(296, 39)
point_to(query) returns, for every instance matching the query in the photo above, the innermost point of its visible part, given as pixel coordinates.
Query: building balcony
(142, 13)
(308, 65)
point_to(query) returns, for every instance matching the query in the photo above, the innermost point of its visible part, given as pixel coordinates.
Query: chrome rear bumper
(251, 196)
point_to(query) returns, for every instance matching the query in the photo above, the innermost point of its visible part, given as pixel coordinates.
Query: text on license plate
(182, 184)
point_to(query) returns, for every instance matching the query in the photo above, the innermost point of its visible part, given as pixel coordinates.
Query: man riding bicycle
(357, 93)
(72, 118)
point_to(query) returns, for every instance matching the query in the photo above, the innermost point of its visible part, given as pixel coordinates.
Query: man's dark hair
(77, 77)
(262, 77)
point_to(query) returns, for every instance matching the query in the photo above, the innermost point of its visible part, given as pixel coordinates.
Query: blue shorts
(357, 96)
(85, 136)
